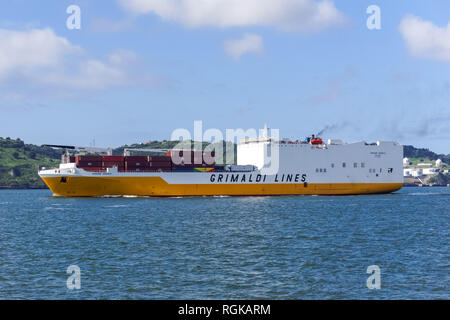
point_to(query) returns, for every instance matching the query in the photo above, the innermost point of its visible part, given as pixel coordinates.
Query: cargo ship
(309, 167)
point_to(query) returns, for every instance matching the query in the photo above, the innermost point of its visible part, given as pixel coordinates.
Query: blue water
(303, 247)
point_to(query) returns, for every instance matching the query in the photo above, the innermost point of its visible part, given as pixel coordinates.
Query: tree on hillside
(439, 179)
(411, 152)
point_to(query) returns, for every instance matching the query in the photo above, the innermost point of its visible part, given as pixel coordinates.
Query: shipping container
(72, 159)
(186, 152)
(137, 169)
(159, 158)
(186, 161)
(160, 164)
(89, 164)
(113, 158)
(137, 158)
(88, 158)
(110, 164)
(136, 165)
(186, 165)
(192, 157)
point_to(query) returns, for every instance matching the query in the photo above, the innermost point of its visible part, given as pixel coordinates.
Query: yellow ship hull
(158, 187)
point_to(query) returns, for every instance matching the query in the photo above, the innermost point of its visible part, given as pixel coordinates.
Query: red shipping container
(181, 152)
(159, 158)
(183, 166)
(133, 169)
(137, 158)
(187, 158)
(159, 168)
(88, 158)
(72, 159)
(136, 164)
(193, 157)
(113, 158)
(110, 164)
(89, 164)
(160, 164)
(196, 153)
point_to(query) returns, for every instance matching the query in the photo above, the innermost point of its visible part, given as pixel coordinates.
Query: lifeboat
(317, 141)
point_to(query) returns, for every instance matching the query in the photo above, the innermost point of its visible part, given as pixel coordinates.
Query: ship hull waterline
(158, 187)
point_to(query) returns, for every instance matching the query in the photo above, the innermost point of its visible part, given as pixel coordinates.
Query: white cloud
(424, 39)
(299, 15)
(249, 43)
(38, 58)
(27, 50)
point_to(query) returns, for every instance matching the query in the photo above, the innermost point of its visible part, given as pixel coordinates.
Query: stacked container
(136, 163)
(114, 162)
(192, 161)
(160, 163)
(92, 163)
(148, 163)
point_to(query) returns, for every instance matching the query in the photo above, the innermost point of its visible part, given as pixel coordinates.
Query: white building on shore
(430, 171)
(421, 169)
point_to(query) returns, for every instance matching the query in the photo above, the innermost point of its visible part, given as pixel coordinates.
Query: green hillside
(20, 162)
(417, 155)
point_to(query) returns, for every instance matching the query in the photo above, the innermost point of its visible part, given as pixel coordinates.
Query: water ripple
(225, 247)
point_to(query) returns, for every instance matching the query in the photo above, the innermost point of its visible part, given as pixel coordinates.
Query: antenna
(265, 131)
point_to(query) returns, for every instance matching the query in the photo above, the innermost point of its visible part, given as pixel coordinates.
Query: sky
(136, 70)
